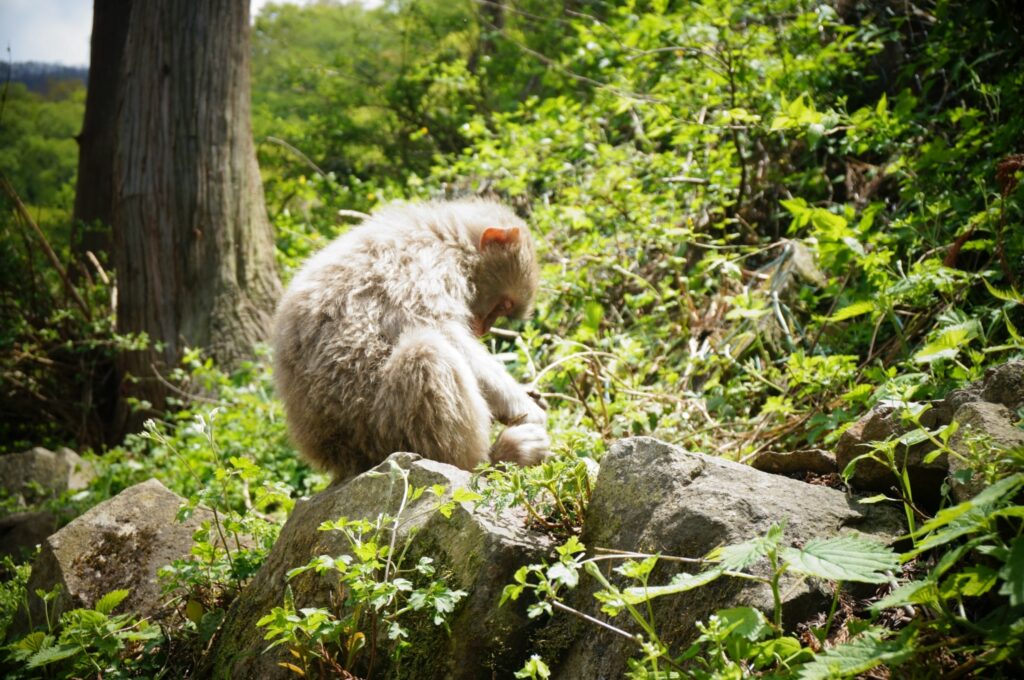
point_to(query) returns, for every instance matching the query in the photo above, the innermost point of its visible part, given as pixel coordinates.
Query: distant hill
(37, 75)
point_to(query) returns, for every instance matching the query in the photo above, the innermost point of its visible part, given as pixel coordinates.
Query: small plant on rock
(376, 591)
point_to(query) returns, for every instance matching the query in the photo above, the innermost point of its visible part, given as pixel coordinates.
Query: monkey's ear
(502, 236)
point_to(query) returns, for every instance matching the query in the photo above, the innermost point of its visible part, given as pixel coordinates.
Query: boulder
(989, 403)
(1003, 384)
(120, 543)
(652, 497)
(80, 471)
(35, 475)
(477, 549)
(815, 461)
(986, 431)
(21, 532)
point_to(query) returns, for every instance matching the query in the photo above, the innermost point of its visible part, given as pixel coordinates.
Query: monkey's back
(339, 322)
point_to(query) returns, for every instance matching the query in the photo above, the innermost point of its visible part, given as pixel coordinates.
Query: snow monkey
(375, 340)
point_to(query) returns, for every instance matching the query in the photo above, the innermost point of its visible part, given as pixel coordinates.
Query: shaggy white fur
(373, 346)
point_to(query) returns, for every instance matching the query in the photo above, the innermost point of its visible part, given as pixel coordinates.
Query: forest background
(756, 220)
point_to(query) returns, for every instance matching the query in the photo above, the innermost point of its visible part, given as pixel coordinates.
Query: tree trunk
(194, 250)
(94, 192)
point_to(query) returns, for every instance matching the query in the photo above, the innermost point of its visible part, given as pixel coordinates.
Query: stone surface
(120, 543)
(879, 424)
(80, 471)
(817, 461)
(1003, 384)
(21, 532)
(477, 549)
(34, 475)
(656, 498)
(986, 430)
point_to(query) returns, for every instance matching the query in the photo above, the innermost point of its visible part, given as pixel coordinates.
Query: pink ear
(503, 236)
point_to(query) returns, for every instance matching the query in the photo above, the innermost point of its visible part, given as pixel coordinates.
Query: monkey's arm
(510, 402)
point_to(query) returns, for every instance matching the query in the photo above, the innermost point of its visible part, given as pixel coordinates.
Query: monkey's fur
(374, 343)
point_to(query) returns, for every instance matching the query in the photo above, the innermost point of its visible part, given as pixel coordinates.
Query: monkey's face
(505, 278)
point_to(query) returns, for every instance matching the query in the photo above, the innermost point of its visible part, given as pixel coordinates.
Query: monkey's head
(505, 273)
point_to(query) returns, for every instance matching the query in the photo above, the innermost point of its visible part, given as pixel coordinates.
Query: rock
(881, 423)
(21, 532)
(34, 475)
(80, 472)
(816, 461)
(656, 498)
(120, 543)
(1003, 384)
(477, 549)
(986, 431)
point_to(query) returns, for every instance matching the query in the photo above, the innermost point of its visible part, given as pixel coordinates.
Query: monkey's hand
(528, 411)
(522, 444)
(538, 398)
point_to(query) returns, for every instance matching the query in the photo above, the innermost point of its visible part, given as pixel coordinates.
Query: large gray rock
(986, 431)
(38, 474)
(656, 498)
(477, 549)
(120, 543)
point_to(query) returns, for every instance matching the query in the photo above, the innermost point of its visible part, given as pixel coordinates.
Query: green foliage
(972, 592)
(377, 592)
(555, 493)
(38, 152)
(731, 637)
(13, 588)
(89, 642)
(225, 445)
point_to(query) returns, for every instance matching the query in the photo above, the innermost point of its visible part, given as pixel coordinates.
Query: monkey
(376, 340)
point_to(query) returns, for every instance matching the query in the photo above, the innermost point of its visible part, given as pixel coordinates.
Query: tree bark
(194, 250)
(94, 191)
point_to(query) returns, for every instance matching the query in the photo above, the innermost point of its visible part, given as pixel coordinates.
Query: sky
(57, 30)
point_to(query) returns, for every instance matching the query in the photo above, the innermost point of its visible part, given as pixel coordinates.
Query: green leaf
(593, 312)
(742, 555)
(972, 581)
(948, 344)
(680, 584)
(843, 558)
(915, 592)
(1006, 295)
(48, 655)
(563, 574)
(858, 656)
(109, 602)
(853, 310)
(464, 495)
(1012, 573)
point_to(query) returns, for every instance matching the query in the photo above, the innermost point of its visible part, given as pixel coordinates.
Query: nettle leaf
(109, 602)
(1006, 295)
(948, 344)
(972, 581)
(48, 655)
(1012, 573)
(742, 555)
(851, 311)
(680, 584)
(858, 656)
(844, 558)
(915, 592)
